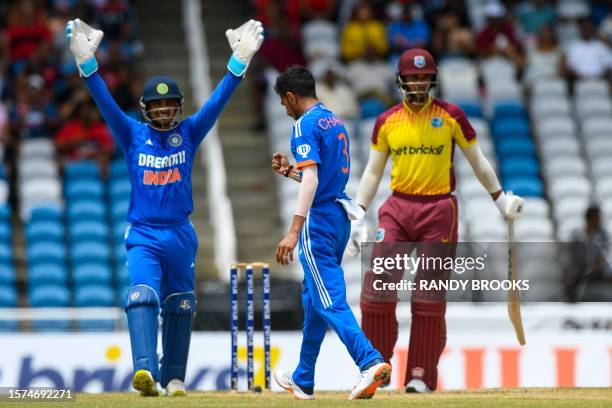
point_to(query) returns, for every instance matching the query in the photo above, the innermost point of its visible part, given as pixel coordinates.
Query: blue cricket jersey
(160, 162)
(320, 137)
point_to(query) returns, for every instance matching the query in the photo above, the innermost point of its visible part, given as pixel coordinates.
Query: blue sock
(372, 364)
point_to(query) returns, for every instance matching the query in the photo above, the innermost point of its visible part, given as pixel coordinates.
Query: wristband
(288, 171)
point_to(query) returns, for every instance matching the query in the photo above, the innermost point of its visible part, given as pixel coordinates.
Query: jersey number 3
(342, 136)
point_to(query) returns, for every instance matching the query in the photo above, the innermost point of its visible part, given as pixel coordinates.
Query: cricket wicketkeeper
(420, 135)
(161, 242)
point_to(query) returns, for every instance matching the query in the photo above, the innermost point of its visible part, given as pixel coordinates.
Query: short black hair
(297, 80)
(592, 212)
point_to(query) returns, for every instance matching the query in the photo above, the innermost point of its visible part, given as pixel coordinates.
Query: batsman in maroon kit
(419, 134)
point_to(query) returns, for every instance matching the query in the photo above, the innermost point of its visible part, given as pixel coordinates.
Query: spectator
(498, 37)
(544, 57)
(533, 15)
(363, 32)
(26, 32)
(85, 136)
(372, 80)
(410, 31)
(34, 114)
(451, 37)
(337, 95)
(587, 274)
(588, 56)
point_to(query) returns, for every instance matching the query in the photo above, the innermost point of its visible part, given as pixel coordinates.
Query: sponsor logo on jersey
(175, 140)
(422, 149)
(436, 122)
(303, 150)
(157, 162)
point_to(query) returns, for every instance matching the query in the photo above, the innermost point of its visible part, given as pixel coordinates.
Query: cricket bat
(514, 301)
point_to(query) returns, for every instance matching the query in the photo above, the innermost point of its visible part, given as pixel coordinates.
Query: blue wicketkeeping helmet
(157, 88)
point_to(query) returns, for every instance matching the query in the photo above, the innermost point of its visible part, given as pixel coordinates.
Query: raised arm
(83, 41)
(244, 41)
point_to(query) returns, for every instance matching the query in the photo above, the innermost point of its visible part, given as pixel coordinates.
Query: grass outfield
(532, 397)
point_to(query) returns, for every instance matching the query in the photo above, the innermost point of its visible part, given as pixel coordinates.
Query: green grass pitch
(521, 397)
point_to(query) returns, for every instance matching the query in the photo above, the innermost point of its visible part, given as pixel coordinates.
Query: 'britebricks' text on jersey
(320, 137)
(160, 162)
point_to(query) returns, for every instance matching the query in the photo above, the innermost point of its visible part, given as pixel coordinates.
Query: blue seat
(49, 296)
(119, 210)
(84, 190)
(121, 274)
(86, 210)
(122, 294)
(92, 273)
(510, 128)
(6, 253)
(118, 169)
(371, 108)
(86, 169)
(5, 212)
(515, 147)
(524, 186)
(46, 252)
(45, 213)
(120, 189)
(90, 252)
(47, 274)
(7, 274)
(120, 252)
(89, 231)
(6, 231)
(8, 296)
(471, 109)
(119, 231)
(519, 166)
(509, 110)
(94, 296)
(45, 231)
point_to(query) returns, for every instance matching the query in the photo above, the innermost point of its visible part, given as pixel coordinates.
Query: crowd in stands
(533, 77)
(360, 41)
(62, 178)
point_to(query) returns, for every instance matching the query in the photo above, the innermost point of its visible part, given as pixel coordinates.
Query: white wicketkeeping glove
(511, 206)
(360, 232)
(244, 41)
(83, 41)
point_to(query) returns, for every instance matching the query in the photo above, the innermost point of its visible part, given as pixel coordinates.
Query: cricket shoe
(143, 381)
(176, 388)
(284, 379)
(370, 380)
(417, 386)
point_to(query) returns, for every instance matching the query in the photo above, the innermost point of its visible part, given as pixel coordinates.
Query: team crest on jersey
(303, 150)
(436, 122)
(419, 61)
(175, 140)
(380, 234)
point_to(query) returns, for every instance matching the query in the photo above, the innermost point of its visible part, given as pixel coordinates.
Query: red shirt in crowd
(93, 140)
(23, 40)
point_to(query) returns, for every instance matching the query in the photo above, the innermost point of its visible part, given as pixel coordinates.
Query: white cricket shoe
(417, 386)
(284, 379)
(176, 388)
(143, 381)
(370, 380)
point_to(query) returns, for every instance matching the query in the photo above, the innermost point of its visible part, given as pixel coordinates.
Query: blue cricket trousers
(322, 242)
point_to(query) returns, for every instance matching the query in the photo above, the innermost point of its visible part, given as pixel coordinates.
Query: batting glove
(244, 41)
(360, 232)
(511, 206)
(83, 41)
